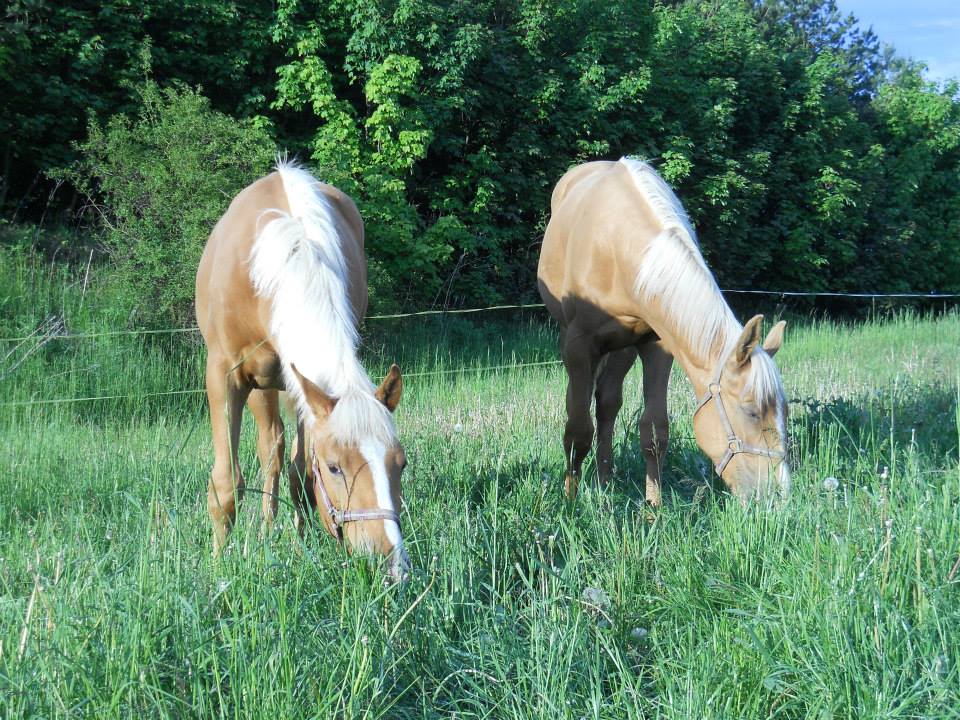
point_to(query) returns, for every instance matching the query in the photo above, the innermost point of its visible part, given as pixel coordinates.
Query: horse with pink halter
(281, 286)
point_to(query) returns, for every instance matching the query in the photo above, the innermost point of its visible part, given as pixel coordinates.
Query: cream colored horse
(621, 271)
(280, 288)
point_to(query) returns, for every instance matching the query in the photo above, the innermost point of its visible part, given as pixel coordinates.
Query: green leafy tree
(807, 155)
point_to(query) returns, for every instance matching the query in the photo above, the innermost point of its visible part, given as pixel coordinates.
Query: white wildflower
(596, 597)
(458, 428)
(830, 484)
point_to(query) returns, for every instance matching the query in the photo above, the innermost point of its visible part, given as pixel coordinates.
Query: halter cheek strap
(339, 518)
(735, 446)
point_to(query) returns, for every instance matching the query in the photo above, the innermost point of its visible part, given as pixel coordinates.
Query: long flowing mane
(297, 261)
(673, 272)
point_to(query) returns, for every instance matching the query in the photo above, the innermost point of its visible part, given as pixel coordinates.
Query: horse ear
(321, 403)
(748, 340)
(391, 388)
(774, 338)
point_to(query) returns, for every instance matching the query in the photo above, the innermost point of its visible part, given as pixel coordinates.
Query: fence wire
(39, 336)
(492, 308)
(139, 396)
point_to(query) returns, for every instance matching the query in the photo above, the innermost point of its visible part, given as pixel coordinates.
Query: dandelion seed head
(830, 484)
(595, 596)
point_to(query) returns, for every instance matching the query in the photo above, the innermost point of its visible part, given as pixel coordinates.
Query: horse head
(355, 462)
(744, 432)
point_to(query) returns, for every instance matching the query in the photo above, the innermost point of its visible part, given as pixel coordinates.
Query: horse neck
(699, 359)
(343, 375)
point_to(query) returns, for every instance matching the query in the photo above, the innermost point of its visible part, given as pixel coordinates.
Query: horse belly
(263, 370)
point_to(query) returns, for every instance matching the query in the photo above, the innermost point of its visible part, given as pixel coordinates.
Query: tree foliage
(807, 155)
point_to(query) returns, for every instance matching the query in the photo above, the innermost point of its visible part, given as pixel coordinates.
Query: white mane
(674, 273)
(298, 263)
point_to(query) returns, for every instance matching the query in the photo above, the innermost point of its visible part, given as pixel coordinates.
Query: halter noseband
(735, 446)
(339, 518)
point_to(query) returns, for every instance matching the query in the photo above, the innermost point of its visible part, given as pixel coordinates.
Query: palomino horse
(280, 288)
(621, 271)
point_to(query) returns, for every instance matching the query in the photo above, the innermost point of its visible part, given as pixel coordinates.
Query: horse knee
(223, 495)
(608, 407)
(654, 435)
(578, 438)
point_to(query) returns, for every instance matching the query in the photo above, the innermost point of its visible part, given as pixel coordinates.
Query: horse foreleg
(654, 424)
(265, 407)
(609, 396)
(226, 481)
(580, 361)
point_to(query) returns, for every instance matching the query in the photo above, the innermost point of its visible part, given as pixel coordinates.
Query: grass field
(841, 604)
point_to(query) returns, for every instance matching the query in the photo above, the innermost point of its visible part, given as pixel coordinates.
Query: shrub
(158, 182)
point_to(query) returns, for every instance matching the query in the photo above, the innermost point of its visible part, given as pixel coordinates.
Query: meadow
(844, 603)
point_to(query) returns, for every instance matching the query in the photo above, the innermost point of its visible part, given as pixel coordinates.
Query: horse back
(233, 319)
(598, 230)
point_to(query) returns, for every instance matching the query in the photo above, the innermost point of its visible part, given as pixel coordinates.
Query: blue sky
(926, 30)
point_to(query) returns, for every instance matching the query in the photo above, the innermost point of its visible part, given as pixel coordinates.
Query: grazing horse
(621, 271)
(281, 286)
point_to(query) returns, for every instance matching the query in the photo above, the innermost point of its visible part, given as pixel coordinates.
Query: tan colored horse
(280, 288)
(621, 271)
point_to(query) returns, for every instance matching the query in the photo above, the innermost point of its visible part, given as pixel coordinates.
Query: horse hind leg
(654, 423)
(265, 406)
(300, 492)
(580, 361)
(225, 491)
(609, 396)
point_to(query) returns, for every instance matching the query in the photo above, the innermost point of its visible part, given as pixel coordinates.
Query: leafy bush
(159, 181)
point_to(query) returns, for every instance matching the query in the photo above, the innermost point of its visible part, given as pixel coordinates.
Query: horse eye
(334, 469)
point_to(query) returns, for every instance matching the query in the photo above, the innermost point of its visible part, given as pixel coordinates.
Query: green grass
(838, 605)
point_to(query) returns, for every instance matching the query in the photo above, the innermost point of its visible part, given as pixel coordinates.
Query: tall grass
(840, 604)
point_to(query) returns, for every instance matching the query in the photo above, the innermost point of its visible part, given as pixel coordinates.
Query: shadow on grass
(846, 431)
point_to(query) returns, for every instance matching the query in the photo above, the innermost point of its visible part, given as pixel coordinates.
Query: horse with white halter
(621, 271)
(281, 286)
